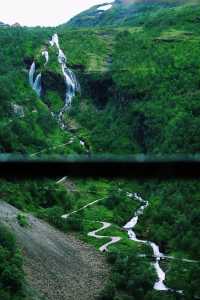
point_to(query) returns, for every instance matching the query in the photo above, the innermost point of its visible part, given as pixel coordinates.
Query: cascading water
(35, 84)
(55, 41)
(31, 74)
(159, 285)
(72, 85)
(46, 56)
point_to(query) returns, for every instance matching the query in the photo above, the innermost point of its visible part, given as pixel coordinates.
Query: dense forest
(140, 91)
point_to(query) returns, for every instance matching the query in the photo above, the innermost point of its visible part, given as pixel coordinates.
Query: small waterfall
(46, 55)
(72, 85)
(35, 84)
(55, 41)
(61, 57)
(31, 74)
(37, 87)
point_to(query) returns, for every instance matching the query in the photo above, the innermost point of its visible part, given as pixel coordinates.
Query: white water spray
(159, 284)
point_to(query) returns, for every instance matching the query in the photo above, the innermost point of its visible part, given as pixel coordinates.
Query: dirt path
(57, 265)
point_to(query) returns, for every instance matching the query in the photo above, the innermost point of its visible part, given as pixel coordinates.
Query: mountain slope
(139, 94)
(123, 12)
(57, 265)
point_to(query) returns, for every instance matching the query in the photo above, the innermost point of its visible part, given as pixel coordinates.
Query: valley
(125, 83)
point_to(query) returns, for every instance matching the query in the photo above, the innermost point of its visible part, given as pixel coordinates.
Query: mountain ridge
(139, 94)
(122, 12)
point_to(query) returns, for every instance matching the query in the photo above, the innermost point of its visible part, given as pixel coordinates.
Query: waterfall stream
(35, 84)
(45, 53)
(159, 284)
(72, 85)
(31, 74)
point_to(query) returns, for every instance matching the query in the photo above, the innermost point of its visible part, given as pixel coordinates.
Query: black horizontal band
(139, 167)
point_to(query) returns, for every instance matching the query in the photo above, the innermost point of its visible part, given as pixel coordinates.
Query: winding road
(157, 255)
(114, 239)
(105, 225)
(82, 208)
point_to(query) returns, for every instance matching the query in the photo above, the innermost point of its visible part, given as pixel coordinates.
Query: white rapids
(159, 284)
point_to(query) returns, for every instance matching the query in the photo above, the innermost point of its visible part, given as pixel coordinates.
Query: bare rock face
(58, 266)
(18, 110)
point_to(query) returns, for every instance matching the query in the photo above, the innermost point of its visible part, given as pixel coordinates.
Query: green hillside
(138, 66)
(126, 13)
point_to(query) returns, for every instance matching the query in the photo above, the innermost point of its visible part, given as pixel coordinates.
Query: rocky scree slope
(57, 265)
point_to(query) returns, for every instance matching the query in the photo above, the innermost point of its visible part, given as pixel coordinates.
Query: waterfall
(46, 55)
(35, 84)
(61, 57)
(37, 87)
(72, 85)
(31, 74)
(55, 41)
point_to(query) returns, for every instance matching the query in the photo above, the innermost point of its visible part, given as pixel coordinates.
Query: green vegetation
(22, 220)
(130, 13)
(11, 272)
(132, 277)
(140, 91)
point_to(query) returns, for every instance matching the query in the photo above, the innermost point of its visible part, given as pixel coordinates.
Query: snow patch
(105, 7)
